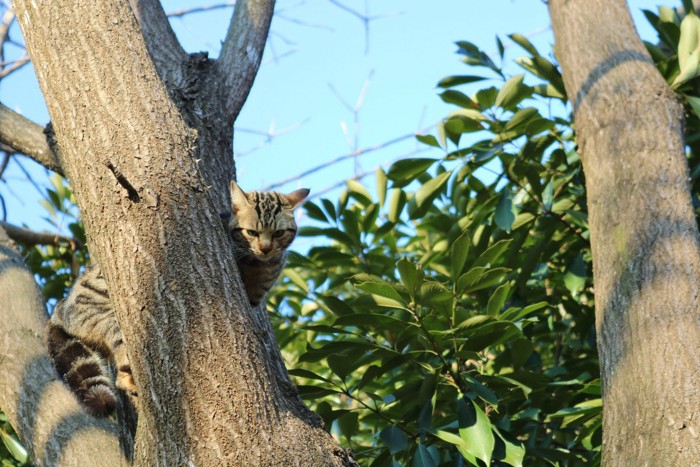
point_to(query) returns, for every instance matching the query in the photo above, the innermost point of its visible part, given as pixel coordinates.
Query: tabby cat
(83, 331)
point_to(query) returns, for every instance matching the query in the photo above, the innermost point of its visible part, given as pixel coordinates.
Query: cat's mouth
(264, 256)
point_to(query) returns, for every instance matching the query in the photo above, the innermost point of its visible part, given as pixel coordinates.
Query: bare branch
(7, 20)
(6, 156)
(365, 18)
(199, 9)
(46, 415)
(268, 135)
(243, 49)
(28, 138)
(329, 163)
(31, 237)
(163, 46)
(318, 193)
(14, 65)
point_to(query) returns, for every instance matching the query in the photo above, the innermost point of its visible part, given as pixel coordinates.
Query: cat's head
(262, 223)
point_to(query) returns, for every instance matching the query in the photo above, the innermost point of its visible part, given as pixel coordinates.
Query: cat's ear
(295, 198)
(238, 198)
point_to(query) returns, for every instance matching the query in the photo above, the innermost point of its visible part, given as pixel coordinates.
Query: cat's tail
(82, 369)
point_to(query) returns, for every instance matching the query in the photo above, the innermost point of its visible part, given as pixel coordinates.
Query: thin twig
(340, 158)
(5, 162)
(16, 65)
(199, 9)
(364, 18)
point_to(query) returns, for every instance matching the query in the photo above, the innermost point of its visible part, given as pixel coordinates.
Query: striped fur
(262, 228)
(83, 337)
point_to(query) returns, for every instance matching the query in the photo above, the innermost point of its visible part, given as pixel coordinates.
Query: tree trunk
(644, 237)
(145, 143)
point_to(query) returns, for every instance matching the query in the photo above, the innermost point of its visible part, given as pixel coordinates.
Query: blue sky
(317, 64)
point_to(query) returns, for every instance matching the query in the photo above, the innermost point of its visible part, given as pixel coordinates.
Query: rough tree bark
(143, 132)
(644, 237)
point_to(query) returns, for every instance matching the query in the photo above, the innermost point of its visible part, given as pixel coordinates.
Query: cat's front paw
(125, 381)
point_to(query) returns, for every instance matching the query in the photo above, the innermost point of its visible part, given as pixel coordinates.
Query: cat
(83, 331)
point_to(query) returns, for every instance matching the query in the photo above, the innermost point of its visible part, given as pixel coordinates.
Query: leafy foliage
(451, 319)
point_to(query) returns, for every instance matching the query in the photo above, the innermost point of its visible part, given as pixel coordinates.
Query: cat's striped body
(83, 333)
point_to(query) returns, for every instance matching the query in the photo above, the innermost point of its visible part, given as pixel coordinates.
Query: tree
(644, 237)
(449, 318)
(143, 133)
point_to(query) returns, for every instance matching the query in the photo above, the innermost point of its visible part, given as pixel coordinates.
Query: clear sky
(320, 61)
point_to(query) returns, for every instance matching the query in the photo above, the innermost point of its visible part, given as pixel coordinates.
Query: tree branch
(243, 48)
(43, 411)
(28, 138)
(163, 46)
(31, 237)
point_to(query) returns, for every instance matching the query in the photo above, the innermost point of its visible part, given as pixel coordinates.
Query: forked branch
(163, 46)
(243, 48)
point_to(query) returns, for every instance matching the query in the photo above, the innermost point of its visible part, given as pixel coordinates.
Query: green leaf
(524, 43)
(458, 442)
(451, 81)
(394, 438)
(377, 286)
(341, 365)
(14, 447)
(486, 97)
(430, 140)
(359, 192)
(688, 43)
(427, 193)
(425, 418)
(498, 299)
(426, 457)
(688, 6)
(480, 278)
(548, 195)
(410, 274)
(504, 216)
(694, 104)
(314, 212)
(396, 204)
(575, 276)
(459, 253)
(515, 314)
(492, 253)
(404, 171)
(337, 306)
(474, 56)
(521, 118)
(512, 92)
(508, 449)
(348, 424)
(475, 429)
(458, 98)
(501, 49)
(381, 185)
(330, 209)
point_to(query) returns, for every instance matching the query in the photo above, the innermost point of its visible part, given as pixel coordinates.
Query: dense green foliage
(445, 317)
(451, 318)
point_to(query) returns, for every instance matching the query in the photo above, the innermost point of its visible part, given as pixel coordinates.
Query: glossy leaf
(475, 430)
(394, 438)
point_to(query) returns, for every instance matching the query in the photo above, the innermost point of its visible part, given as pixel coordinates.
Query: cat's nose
(266, 248)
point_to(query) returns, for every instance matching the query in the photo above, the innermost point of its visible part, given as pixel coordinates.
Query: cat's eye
(252, 233)
(278, 233)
